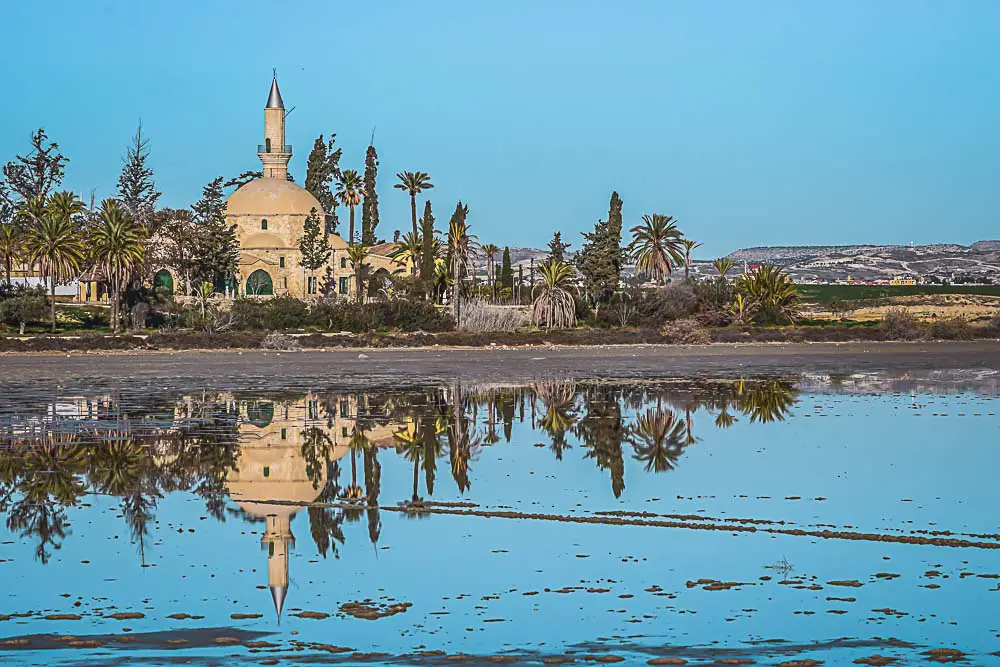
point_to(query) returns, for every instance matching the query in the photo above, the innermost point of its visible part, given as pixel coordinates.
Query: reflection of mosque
(286, 452)
(272, 466)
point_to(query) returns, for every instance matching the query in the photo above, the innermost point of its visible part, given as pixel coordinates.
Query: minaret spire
(274, 153)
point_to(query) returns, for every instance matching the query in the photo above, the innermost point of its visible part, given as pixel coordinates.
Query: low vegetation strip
(827, 293)
(680, 521)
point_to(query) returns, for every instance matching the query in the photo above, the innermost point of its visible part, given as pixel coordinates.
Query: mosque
(269, 214)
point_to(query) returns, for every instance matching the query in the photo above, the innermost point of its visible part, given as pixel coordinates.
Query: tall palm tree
(358, 254)
(490, 251)
(462, 246)
(689, 245)
(118, 248)
(656, 245)
(724, 265)
(553, 303)
(11, 248)
(54, 242)
(414, 182)
(350, 189)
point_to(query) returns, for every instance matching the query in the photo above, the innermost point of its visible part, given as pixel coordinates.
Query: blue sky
(754, 123)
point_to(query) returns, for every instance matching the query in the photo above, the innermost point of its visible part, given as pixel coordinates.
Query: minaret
(277, 541)
(274, 154)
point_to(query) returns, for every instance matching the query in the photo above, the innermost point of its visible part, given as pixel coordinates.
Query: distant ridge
(878, 262)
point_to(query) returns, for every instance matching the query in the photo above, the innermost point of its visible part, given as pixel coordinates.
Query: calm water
(763, 519)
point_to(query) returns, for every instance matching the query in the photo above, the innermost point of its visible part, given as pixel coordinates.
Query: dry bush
(482, 316)
(951, 328)
(898, 324)
(685, 332)
(279, 341)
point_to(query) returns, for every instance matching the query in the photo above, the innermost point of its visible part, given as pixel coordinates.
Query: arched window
(162, 279)
(259, 284)
(267, 145)
(263, 224)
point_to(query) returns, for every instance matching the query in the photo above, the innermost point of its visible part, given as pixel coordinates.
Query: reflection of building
(274, 441)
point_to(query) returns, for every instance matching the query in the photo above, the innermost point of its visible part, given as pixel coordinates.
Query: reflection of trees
(658, 438)
(602, 431)
(167, 444)
(559, 401)
(765, 400)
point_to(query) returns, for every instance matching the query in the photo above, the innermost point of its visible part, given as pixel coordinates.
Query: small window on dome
(263, 224)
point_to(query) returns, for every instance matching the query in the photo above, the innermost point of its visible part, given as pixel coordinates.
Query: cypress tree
(136, 189)
(369, 209)
(322, 167)
(600, 260)
(427, 250)
(506, 271)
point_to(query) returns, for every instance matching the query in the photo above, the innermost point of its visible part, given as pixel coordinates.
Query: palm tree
(558, 399)
(409, 251)
(772, 293)
(462, 246)
(54, 241)
(358, 253)
(553, 303)
(689, 245)
(414, 182)
(656, 244)
(350, 189)
(11, 247)
(724, 265)
(118, 248)
(489, 251)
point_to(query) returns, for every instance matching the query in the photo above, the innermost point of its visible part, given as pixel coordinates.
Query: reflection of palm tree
(724, 419)
(463, 442)
(560, 415)
(765, 400)
(658, 438)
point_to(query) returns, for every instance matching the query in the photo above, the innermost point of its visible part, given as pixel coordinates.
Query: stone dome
(272, 196)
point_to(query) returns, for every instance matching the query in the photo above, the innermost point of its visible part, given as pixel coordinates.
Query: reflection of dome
(272, 196)
(260, 413)
(276, 471)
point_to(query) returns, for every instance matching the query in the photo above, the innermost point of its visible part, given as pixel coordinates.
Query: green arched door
(259, 284)
(165, 280)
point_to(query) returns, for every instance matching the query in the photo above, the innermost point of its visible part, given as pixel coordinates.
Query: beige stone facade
(270, 215)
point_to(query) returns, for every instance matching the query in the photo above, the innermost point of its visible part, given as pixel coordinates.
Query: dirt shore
(388, 368)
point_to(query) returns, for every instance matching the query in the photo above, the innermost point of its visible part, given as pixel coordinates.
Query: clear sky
(754, 123)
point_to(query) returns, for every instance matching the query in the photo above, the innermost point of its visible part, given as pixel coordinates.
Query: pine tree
(314, 244)
(136, 189)
(427, 250)
(37, 174)
(217, 250)
(322, 167)
(557, 249)
(369, 209)
(506, 271)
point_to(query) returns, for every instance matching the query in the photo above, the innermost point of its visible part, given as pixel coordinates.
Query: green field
(827, 293)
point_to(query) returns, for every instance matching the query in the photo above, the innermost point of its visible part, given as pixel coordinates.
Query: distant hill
(878, 262)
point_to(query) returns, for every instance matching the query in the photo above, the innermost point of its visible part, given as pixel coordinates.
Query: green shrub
(898, 324)
(282, 312)
(340, 314)
(25, 305)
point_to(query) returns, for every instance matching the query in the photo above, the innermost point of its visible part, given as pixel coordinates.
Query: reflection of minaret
(273, 473)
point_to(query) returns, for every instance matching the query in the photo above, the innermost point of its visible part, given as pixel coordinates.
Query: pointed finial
(278, 595)
(274, 100)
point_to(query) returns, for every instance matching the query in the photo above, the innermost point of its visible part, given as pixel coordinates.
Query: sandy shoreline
(386, 368)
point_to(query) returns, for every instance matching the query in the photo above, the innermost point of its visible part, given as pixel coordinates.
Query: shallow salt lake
(759, 519)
